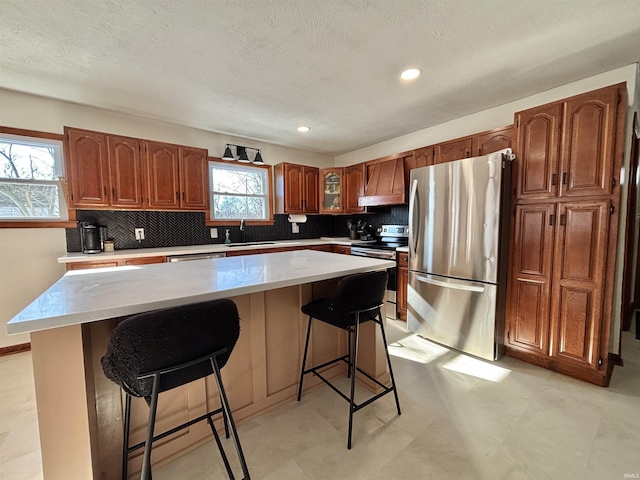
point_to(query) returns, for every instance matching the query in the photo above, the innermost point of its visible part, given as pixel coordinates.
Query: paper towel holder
(297, 219)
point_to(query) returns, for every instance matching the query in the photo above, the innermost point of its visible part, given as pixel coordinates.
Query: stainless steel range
(389, 238)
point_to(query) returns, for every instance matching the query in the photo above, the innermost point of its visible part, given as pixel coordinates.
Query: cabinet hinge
(613, 182)
(618, 98)
(612, 209)
(509, 336)
(517, 122)
(600, 362)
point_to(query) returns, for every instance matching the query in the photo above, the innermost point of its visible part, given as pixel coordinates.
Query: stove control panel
(394, 231)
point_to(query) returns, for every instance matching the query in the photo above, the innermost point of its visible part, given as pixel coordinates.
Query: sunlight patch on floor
(416, 349)
(477, 368)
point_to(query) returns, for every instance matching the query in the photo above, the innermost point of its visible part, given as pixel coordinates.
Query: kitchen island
(80, 411)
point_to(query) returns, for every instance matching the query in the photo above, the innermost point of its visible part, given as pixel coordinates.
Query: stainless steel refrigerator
(458, 233)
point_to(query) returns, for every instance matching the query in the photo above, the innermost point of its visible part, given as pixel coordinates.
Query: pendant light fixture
(241, 152)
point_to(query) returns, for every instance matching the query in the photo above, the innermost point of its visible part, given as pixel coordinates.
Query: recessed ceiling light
(410, 73)
(304, 129)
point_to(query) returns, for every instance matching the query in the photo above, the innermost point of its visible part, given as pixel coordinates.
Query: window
(239, 191)
(30, 189)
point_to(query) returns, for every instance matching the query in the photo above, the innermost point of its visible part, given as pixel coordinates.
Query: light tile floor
(504, 420)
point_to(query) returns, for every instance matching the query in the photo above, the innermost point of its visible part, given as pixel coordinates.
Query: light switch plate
(214, 233)
(139, 233)
(295, 228)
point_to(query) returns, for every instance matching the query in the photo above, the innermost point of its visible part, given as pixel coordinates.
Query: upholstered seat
(160, 350)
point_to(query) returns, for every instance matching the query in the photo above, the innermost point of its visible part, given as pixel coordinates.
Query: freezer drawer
(457, 313)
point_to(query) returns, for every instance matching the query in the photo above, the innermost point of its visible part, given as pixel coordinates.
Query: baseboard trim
(22, 347)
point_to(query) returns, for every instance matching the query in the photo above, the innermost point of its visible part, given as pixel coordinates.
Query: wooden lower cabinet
(116, 263)
(556, 311)
(402, 286)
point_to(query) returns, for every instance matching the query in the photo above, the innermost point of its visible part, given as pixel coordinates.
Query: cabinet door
(331, 190)
(293, 188)
(344, 250)
(311, 198)
(145, 260)
(495, 140)
(86, 265)
(125, 165)
(194, 175)
(578, 282)
(588, 143)
(89, 168)
(453, 150)
(529, 287)
(353, 188)
(162, 175)
(537, 150)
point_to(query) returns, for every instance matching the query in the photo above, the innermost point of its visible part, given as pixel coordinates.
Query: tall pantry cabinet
(564, 233)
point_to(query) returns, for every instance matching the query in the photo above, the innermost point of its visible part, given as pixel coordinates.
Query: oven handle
(384, 256)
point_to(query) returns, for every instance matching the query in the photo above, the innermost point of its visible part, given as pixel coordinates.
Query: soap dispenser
(227, 239)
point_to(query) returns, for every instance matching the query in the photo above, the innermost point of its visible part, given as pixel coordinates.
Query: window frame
(210, 221)
(62, 184)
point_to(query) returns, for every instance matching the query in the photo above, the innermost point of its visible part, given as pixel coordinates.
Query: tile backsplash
(172, 229)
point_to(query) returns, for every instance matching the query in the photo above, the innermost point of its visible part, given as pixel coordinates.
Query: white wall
(503, 115)
(27, 268)
(28, 256)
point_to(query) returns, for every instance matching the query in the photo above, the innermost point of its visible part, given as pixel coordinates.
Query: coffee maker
(90, 237)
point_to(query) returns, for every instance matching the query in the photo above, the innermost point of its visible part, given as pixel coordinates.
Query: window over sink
(240, 192)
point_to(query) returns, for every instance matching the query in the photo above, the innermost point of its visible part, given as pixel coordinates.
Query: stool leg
(232, 425)
(225, 421)
(386, 350)
(125, 439)
(353, 378)
(304, 359)
(153, 408)
(223, 454)
(349, 355)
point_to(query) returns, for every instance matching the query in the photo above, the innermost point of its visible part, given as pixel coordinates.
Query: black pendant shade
(242, 154)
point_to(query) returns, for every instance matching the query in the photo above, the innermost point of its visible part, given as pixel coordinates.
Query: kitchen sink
(249, 244)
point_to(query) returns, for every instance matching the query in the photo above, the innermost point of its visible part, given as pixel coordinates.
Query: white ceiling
(260, 68)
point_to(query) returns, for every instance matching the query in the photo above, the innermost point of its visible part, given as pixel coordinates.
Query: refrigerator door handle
(456, 286)
(415, 209)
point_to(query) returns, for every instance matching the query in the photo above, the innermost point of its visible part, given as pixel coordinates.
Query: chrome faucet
(243, 229)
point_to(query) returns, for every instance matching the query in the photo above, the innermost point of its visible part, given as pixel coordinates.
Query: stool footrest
(344, 358)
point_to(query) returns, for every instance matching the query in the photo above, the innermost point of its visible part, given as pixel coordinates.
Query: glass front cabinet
(331, 190)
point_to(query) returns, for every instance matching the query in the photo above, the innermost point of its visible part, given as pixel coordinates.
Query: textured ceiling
(261, 68)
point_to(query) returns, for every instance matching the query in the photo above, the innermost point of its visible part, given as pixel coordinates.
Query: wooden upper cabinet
(453, 150)
(578, 283)
(495, 140)
(125, 165)
(112, 171)
(89, 168)
(568, 148)
(296, 188)
(311, 198)
(353, 188)
(162, 175)
(331, 190)
(537, 150)
(588, 144)
(421, 158)
(194, 178)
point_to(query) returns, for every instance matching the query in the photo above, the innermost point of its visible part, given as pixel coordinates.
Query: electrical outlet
(214, 233)
(295, 228)
(139, 233)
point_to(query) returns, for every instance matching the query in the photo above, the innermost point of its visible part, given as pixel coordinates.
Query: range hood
(384, 184)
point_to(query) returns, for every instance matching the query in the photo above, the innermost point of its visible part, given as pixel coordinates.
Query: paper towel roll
(297, 218)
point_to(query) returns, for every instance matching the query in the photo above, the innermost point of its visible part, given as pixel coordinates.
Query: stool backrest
(166, 338)
(359, 291)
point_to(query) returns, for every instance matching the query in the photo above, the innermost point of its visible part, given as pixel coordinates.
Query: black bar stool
(156, 351)
(355, 300)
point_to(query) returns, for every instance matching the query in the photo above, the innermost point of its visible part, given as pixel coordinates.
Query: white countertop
(83, 296)
(72, 257)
